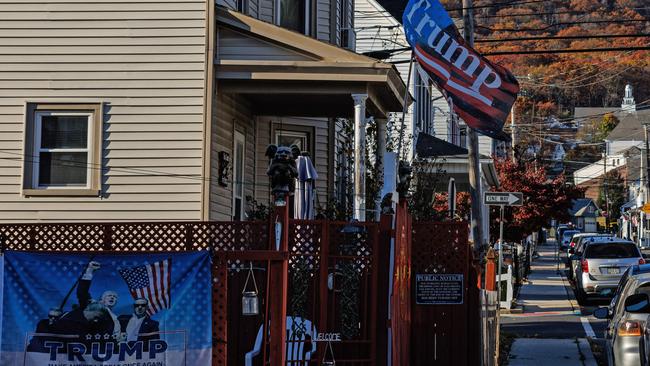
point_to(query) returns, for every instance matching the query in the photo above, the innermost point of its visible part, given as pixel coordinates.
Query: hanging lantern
(331, 361)
(250, 303)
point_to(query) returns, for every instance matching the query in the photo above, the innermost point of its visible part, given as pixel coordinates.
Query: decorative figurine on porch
(403, 178)
(282, 171)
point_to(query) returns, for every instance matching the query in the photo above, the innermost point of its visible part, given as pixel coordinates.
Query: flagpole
(472, 149)
(404, 109)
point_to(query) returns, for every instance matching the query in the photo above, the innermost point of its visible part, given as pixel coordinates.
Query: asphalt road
(550, 308)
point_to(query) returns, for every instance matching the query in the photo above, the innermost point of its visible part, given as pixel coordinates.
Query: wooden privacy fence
(331, 269)
(444, 331)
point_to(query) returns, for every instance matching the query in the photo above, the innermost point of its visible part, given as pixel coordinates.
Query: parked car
(559, 230)
(627, 316)
(602, 265)
(577, 245)
(566, 238)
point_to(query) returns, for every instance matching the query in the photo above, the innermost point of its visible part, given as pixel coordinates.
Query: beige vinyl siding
(231, 112)
(144, 60)
(320, 158)
(237, 46)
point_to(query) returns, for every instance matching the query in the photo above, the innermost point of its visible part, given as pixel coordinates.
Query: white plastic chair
(296, 354)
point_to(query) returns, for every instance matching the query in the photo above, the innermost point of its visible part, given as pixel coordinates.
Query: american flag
(151, 282)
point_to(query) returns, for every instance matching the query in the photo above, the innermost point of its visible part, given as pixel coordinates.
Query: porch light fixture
(250, 300)
(224, 163)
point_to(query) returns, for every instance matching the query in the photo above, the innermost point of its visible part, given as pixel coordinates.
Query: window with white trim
(63, 149)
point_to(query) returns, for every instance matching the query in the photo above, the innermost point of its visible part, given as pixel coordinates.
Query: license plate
(614, 270)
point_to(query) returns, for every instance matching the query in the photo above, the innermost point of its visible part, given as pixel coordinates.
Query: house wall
(614, 147)
(231, 113)
(234, 113)
(320, 158)
(323, 13)
(145, 61)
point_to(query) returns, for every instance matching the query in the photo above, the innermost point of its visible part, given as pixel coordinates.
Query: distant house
(629, 131)
(583, 215)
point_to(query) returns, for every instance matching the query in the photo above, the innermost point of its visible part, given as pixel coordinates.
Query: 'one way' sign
(504, 198)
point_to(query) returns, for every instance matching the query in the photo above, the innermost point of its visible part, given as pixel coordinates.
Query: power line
(567, 50)
(528, 14)
(560, 23)
(542, 52)
(512, 2)
(541, 38)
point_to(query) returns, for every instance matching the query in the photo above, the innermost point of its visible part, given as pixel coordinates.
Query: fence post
(490, 271)
(279, 278)
(324, 273)
(382, 260)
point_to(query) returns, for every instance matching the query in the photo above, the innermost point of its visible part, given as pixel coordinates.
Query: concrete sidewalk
(549, 328)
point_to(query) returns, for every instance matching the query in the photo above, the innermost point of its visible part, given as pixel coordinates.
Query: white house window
(64, 148)
(238, 177)
(61, 149)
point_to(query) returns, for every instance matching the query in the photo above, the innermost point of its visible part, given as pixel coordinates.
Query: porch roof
(434, 154)
(284, 72)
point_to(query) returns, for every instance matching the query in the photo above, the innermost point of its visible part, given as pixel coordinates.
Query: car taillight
(573, 244)
(641, 261)
(629, 329)
(585, 266)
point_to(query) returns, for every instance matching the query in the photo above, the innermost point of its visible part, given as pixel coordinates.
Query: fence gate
(333, 285)
(444, 303)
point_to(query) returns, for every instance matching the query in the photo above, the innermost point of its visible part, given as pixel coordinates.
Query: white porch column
(382, 139)
(359, 209)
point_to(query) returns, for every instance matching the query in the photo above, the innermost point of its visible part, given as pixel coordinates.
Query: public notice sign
(106, 309)
(438, 289)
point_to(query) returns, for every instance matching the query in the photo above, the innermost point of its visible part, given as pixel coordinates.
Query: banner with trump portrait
(106, 309)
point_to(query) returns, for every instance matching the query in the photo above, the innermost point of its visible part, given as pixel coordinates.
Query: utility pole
(642, 185)
(605, 189)
(472, 148)
(646, 183)
(513, 131)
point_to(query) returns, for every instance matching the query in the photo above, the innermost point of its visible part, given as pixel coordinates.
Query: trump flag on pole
(480, 92)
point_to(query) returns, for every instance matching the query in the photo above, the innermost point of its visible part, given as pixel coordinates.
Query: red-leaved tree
(544, 199)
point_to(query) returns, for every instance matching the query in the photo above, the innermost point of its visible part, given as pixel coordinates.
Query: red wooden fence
(326, 251)
(336, 278)
(444, 334)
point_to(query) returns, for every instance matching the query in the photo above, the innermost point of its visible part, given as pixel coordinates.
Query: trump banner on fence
(481, 93)
(106, 309)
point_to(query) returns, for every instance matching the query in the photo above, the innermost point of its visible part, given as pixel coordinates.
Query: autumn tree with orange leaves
(544, 199)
